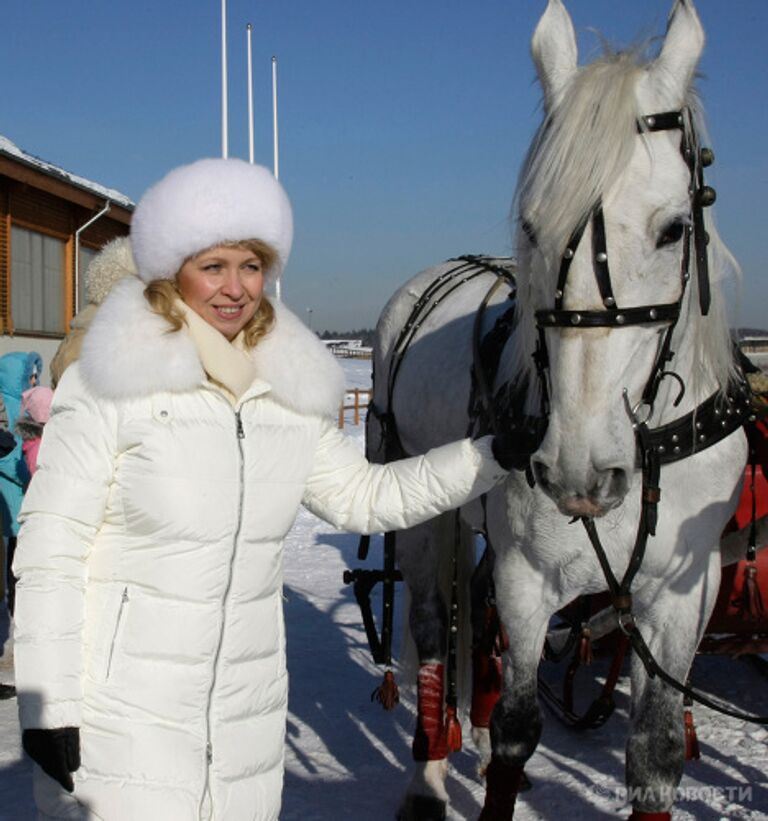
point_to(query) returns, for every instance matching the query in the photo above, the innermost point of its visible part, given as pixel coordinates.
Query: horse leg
(488, 642)
(426, 798)
(656, 743)
(655, 752)
(515, 726)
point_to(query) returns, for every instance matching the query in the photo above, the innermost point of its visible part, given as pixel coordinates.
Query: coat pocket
(110, 632)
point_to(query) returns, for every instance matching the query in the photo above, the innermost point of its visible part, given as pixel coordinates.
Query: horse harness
(486, 353)
(716, 418)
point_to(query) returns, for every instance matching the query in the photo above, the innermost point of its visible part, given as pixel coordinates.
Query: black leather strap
(642, 315)
(566, 260)
(600, 259)
(717, 417)
(664, 121)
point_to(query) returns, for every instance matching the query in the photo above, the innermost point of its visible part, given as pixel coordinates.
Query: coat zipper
(240, 434)
(123, 602)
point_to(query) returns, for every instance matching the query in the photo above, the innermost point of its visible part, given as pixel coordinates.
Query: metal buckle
(632, 412)
(626, 623)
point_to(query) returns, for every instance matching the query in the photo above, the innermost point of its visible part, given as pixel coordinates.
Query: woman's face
(224, 286)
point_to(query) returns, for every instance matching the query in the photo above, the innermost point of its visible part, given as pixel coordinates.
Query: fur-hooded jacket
(149, 610)
(129, 353)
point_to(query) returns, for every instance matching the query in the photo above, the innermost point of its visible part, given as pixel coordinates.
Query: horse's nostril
(611, 484)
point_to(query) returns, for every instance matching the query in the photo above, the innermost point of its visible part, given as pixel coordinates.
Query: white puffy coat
(149, 608)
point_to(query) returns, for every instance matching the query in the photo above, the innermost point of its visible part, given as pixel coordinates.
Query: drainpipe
(79, 231)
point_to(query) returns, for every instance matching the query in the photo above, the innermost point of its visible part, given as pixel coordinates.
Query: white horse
(609, 230)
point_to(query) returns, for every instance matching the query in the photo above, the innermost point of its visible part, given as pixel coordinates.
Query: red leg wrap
(486, 669)
(429, 742)
(639, 815)
(486, 686)
(502, 783)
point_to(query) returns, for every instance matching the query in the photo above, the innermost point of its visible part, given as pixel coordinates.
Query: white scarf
(228, 364)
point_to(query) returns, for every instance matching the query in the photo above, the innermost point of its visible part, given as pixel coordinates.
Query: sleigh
(739, 622)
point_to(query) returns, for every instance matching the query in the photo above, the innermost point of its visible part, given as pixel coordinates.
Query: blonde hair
(161, 294)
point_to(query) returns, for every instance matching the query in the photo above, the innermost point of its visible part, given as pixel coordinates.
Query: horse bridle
(612, 315)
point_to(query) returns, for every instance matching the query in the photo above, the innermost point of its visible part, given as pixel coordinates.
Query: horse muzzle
(603, 490)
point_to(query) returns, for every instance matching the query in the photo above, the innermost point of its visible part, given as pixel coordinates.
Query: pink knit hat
(36, 403)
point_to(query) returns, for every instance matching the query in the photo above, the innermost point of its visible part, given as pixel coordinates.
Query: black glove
(7, 442)
(513, 450)
(56, 751)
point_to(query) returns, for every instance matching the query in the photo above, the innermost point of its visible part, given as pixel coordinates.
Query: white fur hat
(206, 203)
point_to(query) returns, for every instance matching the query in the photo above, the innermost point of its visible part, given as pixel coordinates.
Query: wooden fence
(353, 353)
(355, 400)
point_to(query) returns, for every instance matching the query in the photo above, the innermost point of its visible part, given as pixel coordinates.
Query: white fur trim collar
(127, 353)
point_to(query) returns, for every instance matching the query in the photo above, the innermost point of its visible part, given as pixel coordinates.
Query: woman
(150, 639)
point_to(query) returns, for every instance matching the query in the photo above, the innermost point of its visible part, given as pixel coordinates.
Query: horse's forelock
(581, 148)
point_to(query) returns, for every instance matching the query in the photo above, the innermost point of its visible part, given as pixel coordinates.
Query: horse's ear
(554, 51)
(674, 68)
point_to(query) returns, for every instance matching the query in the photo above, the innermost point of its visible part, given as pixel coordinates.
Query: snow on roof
(12, 150)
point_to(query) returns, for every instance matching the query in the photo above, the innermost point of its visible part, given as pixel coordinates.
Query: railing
(355, 400)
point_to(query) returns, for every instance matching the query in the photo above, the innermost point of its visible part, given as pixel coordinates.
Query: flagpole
(276, 161)
(250, 97)
(224, 101)
(276, 150)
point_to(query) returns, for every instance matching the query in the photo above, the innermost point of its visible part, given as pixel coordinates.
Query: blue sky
(402, 124)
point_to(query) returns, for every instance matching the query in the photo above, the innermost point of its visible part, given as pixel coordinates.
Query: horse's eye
(671, 234)
(529, 232)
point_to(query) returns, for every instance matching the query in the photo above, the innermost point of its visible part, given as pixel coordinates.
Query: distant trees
(365, 334)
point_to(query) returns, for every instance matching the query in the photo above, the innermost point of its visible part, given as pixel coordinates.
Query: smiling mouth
(228, 311)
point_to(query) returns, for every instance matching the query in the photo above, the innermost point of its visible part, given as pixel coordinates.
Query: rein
(716, 418)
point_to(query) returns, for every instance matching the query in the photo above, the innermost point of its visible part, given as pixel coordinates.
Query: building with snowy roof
(52, 223)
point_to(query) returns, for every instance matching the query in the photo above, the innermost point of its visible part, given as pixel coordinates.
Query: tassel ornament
(452, 730)
(691, 740)
(750, 603)
(387, 693)
(585, 647)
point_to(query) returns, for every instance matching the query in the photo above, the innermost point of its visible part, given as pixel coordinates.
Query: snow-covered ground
(347, 758)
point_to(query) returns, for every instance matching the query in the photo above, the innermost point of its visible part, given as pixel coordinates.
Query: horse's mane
(579, 151)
